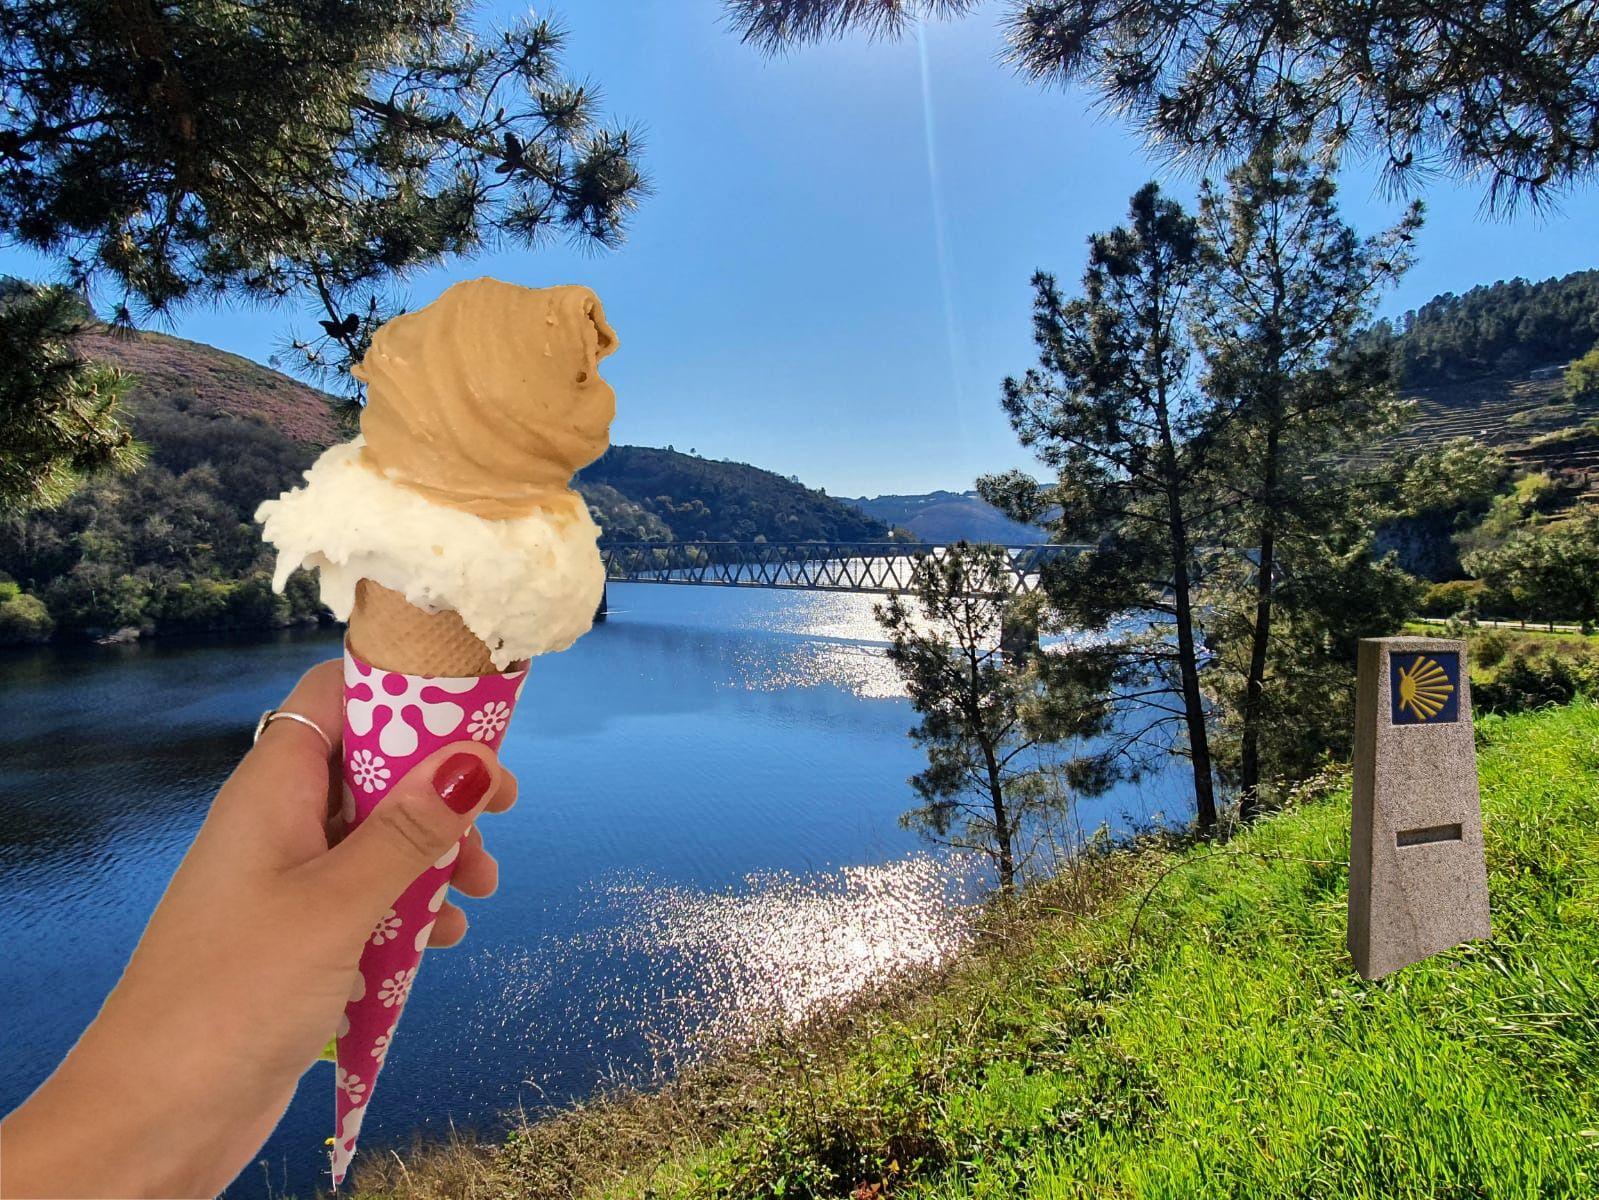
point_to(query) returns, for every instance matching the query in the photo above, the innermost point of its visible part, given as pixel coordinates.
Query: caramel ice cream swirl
(490, 398)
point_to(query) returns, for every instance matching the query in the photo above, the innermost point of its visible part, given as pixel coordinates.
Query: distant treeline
(1498, 330)
(168, 549)
(699, 499)
(173, 547)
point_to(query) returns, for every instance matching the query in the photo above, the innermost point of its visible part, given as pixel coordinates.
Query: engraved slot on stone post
(1418, 883)
(1433, 833)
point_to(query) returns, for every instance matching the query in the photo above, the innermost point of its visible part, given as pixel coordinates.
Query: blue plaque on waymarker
(1424, 688)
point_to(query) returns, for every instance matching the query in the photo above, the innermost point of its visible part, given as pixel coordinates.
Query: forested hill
(1499, 330)
(173, 547)
(699, 499)
(1474, 366)
(193, 403)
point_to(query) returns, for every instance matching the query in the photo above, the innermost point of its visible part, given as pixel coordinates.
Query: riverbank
(1204, 1038)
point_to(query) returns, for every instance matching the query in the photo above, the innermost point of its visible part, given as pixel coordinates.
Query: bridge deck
(878, 567)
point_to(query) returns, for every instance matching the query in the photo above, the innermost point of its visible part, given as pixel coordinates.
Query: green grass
(1223, 1048)
(1509, 628)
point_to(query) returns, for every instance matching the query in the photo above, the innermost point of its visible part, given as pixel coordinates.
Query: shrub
(192, 605)
(1537, 672)
(23, 618)
(94, 598)
(1582, 378)
(254, 605)
(1490, 649)
(1447, 599)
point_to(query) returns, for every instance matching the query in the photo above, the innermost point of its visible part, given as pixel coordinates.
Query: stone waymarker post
(1417, 880)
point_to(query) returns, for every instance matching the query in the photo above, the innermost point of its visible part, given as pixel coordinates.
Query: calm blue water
(707, 840)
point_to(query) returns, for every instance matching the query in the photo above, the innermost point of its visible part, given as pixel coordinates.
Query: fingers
(319, 697)
(449, 927)
(278, 798)
(415, 825)
(477, 874)
(505, 794)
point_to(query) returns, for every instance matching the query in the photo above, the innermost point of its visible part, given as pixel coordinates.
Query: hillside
(173, 547)
(1164, 1021)
(172, 375)
(949, 517)
(1530, 420)
(699, 499)
(1499, 330)
(185, 393)
(1486, 365)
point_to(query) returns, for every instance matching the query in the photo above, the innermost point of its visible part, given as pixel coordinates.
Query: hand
(243, 972)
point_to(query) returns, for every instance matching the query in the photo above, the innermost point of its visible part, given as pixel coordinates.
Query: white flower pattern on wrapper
(387, 928)
(397, 987)
(397, 738)
(350, 1084)
(487, 721)
(368, 771)
(401, 718)
(345, 1147)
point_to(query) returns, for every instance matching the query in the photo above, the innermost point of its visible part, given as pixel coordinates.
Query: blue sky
(809, 289)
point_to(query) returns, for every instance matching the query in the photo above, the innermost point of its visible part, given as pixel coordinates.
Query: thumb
(417, 823)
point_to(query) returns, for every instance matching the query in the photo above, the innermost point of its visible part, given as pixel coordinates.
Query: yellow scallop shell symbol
(1424, 688)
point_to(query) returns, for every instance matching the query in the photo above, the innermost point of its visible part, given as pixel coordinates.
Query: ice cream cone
(413, 681)
(388, 631)
(480, 408)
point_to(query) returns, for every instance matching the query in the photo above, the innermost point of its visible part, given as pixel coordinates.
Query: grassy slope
(1231, 1052)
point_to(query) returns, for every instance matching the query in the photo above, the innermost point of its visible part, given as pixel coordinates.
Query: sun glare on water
(664, 973)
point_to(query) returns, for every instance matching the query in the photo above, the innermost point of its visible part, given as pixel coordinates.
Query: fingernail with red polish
(461, 781)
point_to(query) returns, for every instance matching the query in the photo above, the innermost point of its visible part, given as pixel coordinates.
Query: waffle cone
(388, 631)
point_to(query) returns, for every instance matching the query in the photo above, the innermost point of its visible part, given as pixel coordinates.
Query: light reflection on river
(707, 841)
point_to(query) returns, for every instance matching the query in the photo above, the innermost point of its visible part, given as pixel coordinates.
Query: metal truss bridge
(812, 566)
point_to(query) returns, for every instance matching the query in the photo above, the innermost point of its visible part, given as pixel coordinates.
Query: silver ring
(277, 714)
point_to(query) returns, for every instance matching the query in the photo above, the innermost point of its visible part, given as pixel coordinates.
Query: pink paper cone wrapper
(392, 722)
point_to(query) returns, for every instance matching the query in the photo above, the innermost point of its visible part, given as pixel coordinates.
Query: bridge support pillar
(604, 608)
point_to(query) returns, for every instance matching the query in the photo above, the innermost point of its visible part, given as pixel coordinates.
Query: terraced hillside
(1529, 419)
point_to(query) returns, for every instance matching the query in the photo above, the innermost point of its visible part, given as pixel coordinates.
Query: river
(707, 840)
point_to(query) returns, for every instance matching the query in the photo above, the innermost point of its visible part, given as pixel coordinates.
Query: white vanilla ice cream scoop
(480, 408)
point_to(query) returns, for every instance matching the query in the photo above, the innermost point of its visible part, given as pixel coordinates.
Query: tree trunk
(1003, 834)
(1260, 640)
(1187, 659)
(1188, 663)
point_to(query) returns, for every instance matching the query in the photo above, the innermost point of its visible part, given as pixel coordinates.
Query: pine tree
(1286, 288)
(988, 716)
(297, 150)
(1114, 411)
(58, 413)
(1505, 92)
